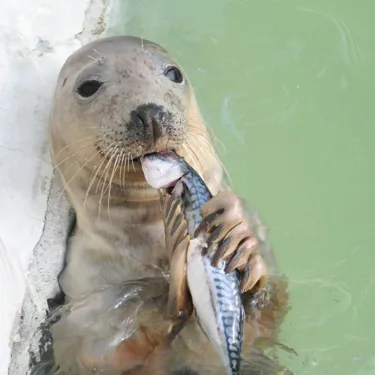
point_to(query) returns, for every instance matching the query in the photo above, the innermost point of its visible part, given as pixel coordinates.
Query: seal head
(117, 100)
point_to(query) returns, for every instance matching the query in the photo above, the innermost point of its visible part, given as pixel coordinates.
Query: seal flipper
(177, 241)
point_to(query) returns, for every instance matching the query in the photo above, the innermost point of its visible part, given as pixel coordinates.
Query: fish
(215, 294)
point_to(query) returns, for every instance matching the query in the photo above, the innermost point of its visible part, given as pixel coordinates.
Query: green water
(288, 87)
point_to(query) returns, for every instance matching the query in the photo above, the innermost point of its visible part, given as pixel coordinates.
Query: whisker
(196, 157)
(76, 174)
(95, 173)
(116, 153)
(131, 158)
(82, 150)
(111, 181)
(103, 181)
(106, 169)
(121, 170)
(189, 153)
(128, 160)
(124, 170)
(105, 158)
(100, 180)
(210, 149)
(73, 143)
(211, 136)
(96, 51)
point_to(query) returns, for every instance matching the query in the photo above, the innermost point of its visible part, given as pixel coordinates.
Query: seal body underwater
(117, 99)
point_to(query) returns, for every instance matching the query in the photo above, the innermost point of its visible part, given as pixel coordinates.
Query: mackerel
(216, 294)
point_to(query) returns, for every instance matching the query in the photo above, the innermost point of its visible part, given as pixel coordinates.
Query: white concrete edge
(36, 36)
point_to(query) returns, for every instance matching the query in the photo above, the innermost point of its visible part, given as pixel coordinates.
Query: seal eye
(174, 74)
(88, 88)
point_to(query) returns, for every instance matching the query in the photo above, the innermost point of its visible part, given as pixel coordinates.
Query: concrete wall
(36, 36)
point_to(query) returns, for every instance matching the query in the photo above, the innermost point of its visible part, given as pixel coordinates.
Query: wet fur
(114, 279)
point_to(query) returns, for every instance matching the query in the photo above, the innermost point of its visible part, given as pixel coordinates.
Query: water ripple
(351, 51)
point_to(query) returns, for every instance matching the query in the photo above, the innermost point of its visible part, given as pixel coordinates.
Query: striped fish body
(218, 304)
(216, 294)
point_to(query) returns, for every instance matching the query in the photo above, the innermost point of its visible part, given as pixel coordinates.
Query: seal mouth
(164, 152)
(139, 155)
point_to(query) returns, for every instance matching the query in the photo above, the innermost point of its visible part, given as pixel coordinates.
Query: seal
(117, 99)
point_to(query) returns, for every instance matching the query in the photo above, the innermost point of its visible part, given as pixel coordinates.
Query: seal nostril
(152, 118)
(157, 129)
(139, 120)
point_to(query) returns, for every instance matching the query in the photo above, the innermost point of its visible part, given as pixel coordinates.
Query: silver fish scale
(198, 193)
(226, 291)
(229, 310)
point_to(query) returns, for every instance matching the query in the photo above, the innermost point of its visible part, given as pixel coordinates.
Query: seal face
(134, 93)
(117, 99)
(141, 104)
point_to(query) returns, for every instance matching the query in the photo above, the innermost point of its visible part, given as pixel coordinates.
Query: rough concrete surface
(36, 36)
